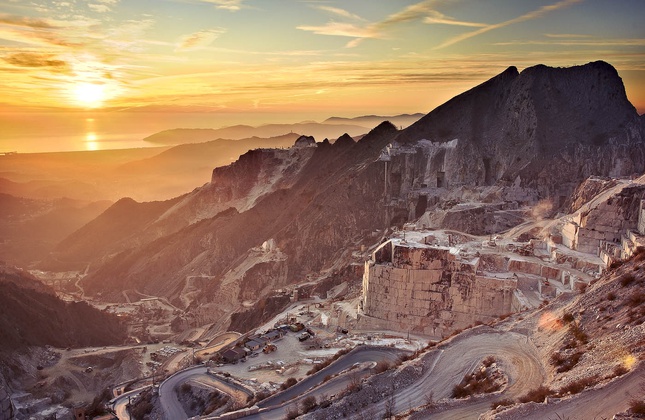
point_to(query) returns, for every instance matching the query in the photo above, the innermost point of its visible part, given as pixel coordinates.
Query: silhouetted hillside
(32, 317)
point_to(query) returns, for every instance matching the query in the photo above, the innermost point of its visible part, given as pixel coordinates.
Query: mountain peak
(344, 140)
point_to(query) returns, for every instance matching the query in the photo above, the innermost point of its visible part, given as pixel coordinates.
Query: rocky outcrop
(305, 141)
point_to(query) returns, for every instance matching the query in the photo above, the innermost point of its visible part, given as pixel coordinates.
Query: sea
(44, 132)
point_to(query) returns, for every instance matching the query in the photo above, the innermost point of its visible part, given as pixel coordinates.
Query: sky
(319, 57)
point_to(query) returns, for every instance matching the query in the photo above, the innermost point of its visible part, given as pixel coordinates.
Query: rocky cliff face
(551, 127)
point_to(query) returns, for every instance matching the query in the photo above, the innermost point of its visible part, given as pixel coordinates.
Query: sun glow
(90, 95)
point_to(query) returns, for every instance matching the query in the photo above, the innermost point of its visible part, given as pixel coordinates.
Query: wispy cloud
(340, 29)
(535, 14)
(339, 12)
(410, 13)
(200, 39)
(632, 42)
(438, 17)
(232, 5)
(567, 36)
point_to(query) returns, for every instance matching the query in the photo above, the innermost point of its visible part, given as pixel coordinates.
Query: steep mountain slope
(516, 138)
(129, 225)
(296, 217)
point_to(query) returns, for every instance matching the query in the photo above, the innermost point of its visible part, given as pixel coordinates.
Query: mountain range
(520, 137)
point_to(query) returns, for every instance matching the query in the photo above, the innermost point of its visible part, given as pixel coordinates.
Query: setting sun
(89, 94)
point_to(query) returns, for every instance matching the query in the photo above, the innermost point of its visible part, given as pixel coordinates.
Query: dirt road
(600, 403)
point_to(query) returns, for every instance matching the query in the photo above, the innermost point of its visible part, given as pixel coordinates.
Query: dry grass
(576, 387)
(537, 395)
(476, 383)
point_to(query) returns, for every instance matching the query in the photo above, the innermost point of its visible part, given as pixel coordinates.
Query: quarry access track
(446, 366)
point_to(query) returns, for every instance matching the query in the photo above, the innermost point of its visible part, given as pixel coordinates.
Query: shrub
(565, 364)
(288, 383)
(637, 407)
(324, 401)
(578, 334)
(262, 395)
(488, 361)
(611, 296)
(577, 386)
(292, 413)
(567, 318)
(620, 370)
(461, 391)
(615, 264)
(308, 404)
(557, 359)
(639, 255)
(627, 279)
(536, 395)
(475, 383)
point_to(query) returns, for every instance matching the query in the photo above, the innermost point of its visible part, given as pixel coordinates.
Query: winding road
(516, 355)
(602, 403)
(170, 404)
(445, 366)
